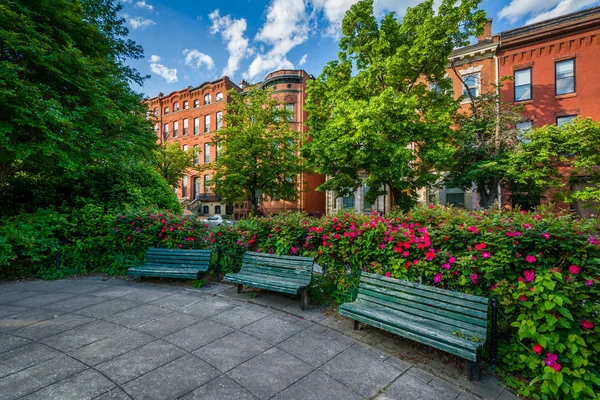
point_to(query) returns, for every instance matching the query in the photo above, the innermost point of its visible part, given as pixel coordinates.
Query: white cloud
(232, 32)
(143, 4)
(196, 59)
(139, 22)
(562, 8)
(286, 27)
(303, 60)
(168, 74)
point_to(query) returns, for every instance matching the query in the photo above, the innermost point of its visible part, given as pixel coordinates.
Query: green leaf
(565, 313)
(558, 378)
(549, 284)
(549, 305)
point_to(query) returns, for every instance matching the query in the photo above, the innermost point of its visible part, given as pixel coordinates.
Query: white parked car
(217, 220)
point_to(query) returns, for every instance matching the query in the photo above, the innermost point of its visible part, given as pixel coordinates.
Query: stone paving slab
(114, 339)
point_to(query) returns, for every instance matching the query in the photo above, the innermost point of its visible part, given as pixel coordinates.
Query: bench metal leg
(356, 325)
(240, 288)
(304, 299)
(472, 370)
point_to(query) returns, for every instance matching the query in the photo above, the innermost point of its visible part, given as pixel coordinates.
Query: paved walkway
(98, 338)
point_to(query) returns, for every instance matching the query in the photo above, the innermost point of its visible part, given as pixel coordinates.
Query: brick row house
(190, 116)
(555, 66)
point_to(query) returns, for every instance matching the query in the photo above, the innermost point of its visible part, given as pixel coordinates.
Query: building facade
(189, 118)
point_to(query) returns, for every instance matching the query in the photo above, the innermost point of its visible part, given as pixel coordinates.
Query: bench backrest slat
(178, 258)
(277, 265)
(457, 311)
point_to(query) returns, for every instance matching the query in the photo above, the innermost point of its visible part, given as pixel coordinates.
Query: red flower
(480, 246)
(586, 324)
(529, 275)
(574, 269)
(530, 259)
(538, 349)
(523, 298)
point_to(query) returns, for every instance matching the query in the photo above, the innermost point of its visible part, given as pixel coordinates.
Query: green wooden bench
(173, 263)
(286, 274)
(450, 321)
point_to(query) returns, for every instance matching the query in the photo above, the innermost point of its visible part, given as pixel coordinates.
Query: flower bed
(542, 267)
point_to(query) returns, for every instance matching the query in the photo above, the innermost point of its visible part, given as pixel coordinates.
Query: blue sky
(187, 42)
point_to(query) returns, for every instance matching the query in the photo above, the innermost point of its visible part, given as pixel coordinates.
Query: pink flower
(538, 349)
(485, 254)
(530, 259)
(551, 361)
(473, 229)
(388, 274)
(589, 282)
(523, 298)
(437, 278)
(586, 324)
(474, 258)
(180, 245)
(527, 226)
(518, 255)
(574, 269)
(430, 206)
(493, 287)
(546, 235)
(593, 241)
(429, 255)
(474, 278)
(382, 246)
(452, 260)
(405, 254)
(294, 250)
(446, 266)
(529, 275)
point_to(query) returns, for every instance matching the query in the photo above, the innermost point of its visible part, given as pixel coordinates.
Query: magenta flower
(574, 269)
(546, 235)
(294, 250)
(452, 260)
(586, 324)
(589, 282)
(474, 278)
(530, 259)
(551, 361)
(446, 266)
(529, 275)
(437, 278)
(593, 241)
(388, 274)
(382, 246)
(485, 254)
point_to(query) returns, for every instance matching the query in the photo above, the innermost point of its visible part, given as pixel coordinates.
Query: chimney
(487, 31)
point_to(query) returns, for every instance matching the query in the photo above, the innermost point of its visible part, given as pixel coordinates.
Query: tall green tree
(257, 151)
(371, 113)
(172, 162)
(485, 138)
(64, 88)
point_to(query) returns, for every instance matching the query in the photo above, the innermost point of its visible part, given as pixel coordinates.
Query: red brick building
(190, 116)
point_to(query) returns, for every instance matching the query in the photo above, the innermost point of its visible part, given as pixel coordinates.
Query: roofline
(191, 88)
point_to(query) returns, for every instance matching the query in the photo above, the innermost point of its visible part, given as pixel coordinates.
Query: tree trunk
(488, 192)
(254, 205)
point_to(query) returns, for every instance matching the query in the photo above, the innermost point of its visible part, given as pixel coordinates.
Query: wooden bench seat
(446, 320)
(173, 263)
(286, 274)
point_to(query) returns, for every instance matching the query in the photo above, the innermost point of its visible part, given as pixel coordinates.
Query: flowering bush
(542, 267)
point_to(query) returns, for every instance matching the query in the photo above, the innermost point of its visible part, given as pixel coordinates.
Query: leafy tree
(64, 91)
(575, 144)
(257, 150)
(370, 112)
(486, 137)
(172, 163)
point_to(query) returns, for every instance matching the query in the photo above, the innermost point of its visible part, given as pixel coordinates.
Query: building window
(185, 127)
(147, 113)
(523, 127)
(166, 110)
(196, 103)
(455, 197)
(291, 114)
(156, 111)
(218, 152)
(560, 121)
(434, 87)
(523, 84)
(196, 155)
(185, 148)
(186, 105)
(175, 129)
(205, 210)
(207, 123)
(207, 98)
(166, 131)
(196, 187)
(156, 129)
(206, 153)
(366, 204)
(348, 202)
(471, 85)
(219, 96)
(184, 186)
(217, 208)
(206, 183)
(565, 76)
(196, 126)
(175, 107)
(219, 116)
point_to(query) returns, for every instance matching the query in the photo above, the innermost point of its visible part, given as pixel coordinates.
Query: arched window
(207, 98)
(219, 96)
(166, 110)
(175, 107)
(196, 103)
(186, 105)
